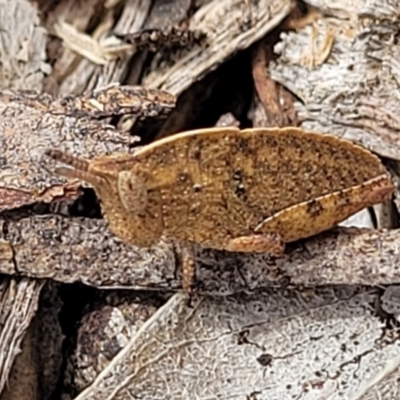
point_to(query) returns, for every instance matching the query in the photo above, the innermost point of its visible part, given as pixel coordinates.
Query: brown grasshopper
(247, 190)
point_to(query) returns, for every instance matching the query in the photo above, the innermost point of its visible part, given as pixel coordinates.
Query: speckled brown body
(251, 190)
(217, 184)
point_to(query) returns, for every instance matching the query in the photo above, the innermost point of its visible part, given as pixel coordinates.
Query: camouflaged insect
(237, 190)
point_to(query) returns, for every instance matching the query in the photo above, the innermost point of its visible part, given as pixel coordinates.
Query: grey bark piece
(348, 95)
(84, 250)
(23, 66)
(227, 33)
(22, 46)
(344, 9)
(19, 299)
(68, 66)
(71, 250)
(273, 346)
(390, 301)
(168, 13)
(69, 123)
(342, 256)
(88, 75)
(132, 19)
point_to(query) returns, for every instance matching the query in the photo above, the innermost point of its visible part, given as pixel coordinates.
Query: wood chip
(347, 95)
(18, 304)
(70, 122)
(221, 20)
(84, 250)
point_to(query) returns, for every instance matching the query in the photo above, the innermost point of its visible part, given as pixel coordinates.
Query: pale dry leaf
(275, 345)
(383, 384)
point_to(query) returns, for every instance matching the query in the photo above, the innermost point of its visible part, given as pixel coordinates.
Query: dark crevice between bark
(80, 300)
(227, 89)
(87, 205)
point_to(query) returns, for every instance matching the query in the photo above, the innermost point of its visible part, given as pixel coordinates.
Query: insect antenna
(79, 167)
(65, 158)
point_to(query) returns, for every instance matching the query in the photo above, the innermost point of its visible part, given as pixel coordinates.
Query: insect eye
(132, 192)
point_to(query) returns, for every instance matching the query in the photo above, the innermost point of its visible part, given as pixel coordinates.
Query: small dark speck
(265, 359)
(314, 208)
(196, 154)
(183, 177)
(197, 188)
(240, 191)
(237, 176)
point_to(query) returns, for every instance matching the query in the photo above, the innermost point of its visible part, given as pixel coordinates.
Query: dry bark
(348, 94)
(106, 331)
(18, 304)
(22, 46)
(226, 34)
(68, 123)
(70, 250)
(23, 66)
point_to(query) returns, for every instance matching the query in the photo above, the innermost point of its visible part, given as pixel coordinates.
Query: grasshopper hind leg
(257, 243)
(188, 266)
